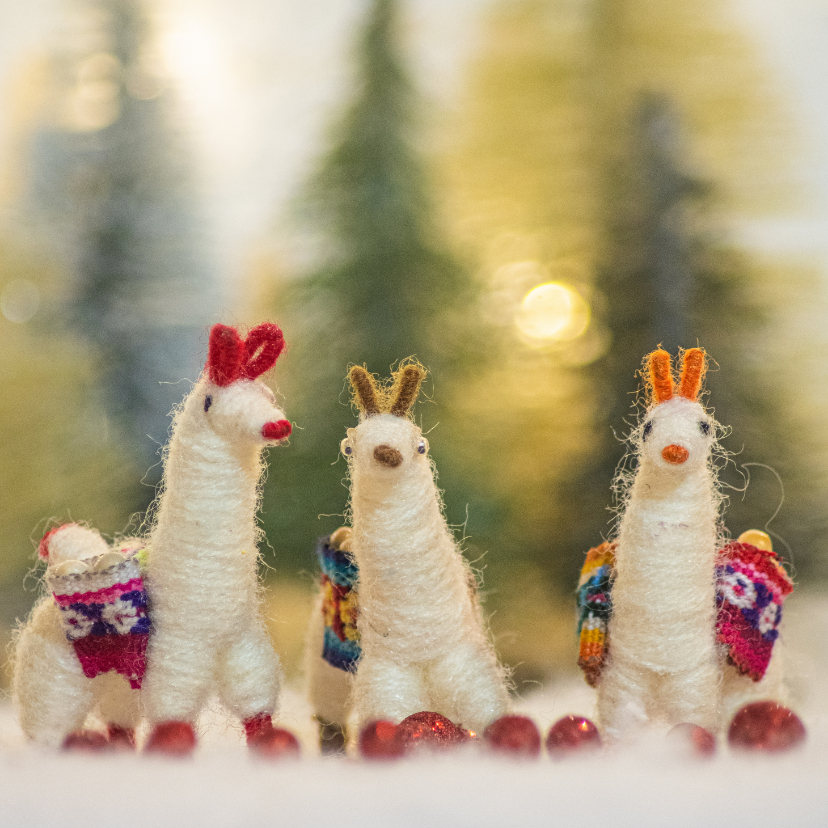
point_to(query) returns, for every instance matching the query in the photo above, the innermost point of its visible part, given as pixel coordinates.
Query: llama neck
(210, 495)
(400, 534)
(668, 534)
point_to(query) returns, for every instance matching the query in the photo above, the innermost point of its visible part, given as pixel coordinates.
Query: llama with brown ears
(683, 623)
(420, 631)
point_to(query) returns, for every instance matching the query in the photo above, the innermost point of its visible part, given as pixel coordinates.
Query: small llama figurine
(194, 582)
(674, 627)
(416, 642)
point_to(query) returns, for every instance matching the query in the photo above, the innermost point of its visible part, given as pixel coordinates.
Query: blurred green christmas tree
(384, 288)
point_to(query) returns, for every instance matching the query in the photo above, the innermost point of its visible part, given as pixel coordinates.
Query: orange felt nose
(675, 454)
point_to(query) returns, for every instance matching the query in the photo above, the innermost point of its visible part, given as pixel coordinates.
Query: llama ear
(365, 392)
(693, 367)
(661, 377)
(224, 359)
(406, 387)
(268, 340)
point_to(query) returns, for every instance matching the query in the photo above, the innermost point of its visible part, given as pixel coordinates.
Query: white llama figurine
(682, 623)
(420, 631)
(200, 571)
(63, 668)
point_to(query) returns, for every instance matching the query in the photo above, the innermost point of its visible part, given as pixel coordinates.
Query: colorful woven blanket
(750, 588)
(595, 609)
(340, 607)
(104, 616)
(751, 585)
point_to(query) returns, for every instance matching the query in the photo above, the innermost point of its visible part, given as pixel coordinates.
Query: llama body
(421, 632)
(665, 662)
(200, 569)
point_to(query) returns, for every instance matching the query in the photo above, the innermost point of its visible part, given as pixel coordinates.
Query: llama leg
(119, 707)
(180, 676)
(328, 688)
(739, 690)
(250, 674)
(468, 687)
(622, 701)
(386, 690)
(51, 693)
(691, 696)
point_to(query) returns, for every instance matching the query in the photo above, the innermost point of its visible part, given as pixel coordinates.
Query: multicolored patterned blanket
(340, 606)
(104, 615)
(751, 585)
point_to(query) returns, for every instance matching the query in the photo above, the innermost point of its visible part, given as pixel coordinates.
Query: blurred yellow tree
(59, 457)
(548, 179)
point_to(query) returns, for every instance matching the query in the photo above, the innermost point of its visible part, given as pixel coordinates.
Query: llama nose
(387, 456)
(675, 454)
(276, 431)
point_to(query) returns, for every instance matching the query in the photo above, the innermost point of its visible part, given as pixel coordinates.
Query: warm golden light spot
(552, 312)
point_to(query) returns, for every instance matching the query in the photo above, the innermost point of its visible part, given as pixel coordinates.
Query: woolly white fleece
(664, 662)
(50, 692)
(202, 572)
(423, 642)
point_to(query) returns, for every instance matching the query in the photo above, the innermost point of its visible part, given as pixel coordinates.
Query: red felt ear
(268, 340)
(225, 355)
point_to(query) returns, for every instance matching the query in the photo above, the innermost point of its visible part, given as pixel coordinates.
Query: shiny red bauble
(274, 743)
(694, 740)
(380, 740)
(431, 730)
(766, 727)
(570, 735)
(514, 736)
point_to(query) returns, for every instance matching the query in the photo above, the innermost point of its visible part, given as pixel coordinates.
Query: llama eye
(422, 446)
(705, 427)
(208, 401)
(648, 430)
(346, 447)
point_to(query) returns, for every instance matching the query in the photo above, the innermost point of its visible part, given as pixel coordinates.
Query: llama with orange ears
(417, 642)
(676, 627)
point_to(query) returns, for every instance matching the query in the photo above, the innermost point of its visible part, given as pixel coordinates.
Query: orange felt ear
(693, 367)
(661, 378)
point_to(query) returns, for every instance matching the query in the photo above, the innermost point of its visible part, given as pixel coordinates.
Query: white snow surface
(651, 785)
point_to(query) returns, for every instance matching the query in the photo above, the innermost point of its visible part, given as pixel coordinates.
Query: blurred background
(528, 195)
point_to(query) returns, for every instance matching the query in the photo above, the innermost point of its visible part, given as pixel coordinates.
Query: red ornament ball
(274, 743)
(513, 735)
(86, 741)
(380, 740)
(172, 739)
(572, 734)
(694, 739)
(430, 729)
(766, 727)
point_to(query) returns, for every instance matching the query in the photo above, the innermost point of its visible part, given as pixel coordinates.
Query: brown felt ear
(405, 390)
(661, 378)
(365, 390)
(693, 367)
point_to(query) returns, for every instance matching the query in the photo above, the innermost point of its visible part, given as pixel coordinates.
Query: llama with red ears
(202, 569)
(177, 614)
(677, 627)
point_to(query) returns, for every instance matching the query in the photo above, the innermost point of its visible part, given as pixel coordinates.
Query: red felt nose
(675, 454)
(276, 431)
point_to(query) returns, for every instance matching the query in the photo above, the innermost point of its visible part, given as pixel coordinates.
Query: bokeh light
(19, 300)
(552, 312)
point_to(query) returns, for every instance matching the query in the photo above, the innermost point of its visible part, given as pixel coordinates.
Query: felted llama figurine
(418, 641)
(674, 628)
(202, 574)
(84, 648)
(199, 570)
